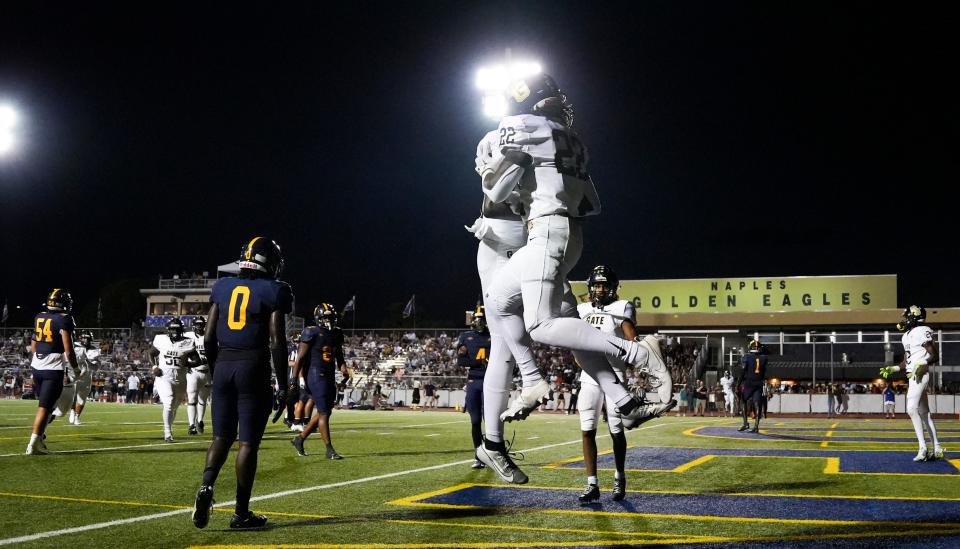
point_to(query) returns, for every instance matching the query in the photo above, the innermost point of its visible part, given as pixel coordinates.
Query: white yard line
(432, 435)
(120, 522)
(431, 424)
(112, 448)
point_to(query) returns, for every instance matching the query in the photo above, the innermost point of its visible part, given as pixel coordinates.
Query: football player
(750, 383)
(172, 355)
(245, 332)
(611, 315)
(321, 353)
(198, 380)
(501, 232)
(53, 354)
(726, 382)
(554, 193)
(919, 353)
(473, 351)
(76, 390)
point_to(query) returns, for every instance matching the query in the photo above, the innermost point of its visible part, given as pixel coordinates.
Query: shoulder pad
(584, 309)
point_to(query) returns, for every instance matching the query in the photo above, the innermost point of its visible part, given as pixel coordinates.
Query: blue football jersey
(46, 331)
(754, 367)
(245, 307)
(326, 349)
(478, 347)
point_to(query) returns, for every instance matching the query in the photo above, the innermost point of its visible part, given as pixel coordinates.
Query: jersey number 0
(237, 313)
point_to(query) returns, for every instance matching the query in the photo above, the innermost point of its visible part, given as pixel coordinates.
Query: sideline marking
(55, 452)
(142, 518)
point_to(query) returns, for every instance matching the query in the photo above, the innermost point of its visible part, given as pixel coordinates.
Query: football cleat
(36, 450)
(202, 505)
(76, 420)
(592, 493)
(743, 427)
(298, 444)
(298, 427)
(249, 520)
(192, 430)
(644, 412)
(332, 454)
(200, 426)
(922, 455)
(756, 429)
(168, 438)
(619, 488)
(477, 464)
(938, 453)
(499, 460)
(530, 398)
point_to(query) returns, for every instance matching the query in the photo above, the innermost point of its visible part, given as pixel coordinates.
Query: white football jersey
(172, 353)
(86, 358)
(498, 222)
(913, 342)
(561, 184)
(727, 383)
(198, 343)
(608, 319)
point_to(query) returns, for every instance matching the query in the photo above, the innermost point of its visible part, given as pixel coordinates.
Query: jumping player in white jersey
(501, 232)
(919, 353)
(542, 165)
(198, 380)
(726, 382)
(172, 355)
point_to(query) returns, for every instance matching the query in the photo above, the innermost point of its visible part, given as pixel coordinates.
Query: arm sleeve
(284, 302)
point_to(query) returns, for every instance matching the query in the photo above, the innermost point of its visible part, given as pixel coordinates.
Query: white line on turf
(99, 525)
(430, 424)
(432, 435)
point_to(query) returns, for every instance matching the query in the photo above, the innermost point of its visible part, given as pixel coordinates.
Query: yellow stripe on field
(690, 465)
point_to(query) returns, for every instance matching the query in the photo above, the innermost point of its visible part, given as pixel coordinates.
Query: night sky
(726, 139)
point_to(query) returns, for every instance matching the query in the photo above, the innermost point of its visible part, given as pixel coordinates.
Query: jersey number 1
(237, 313)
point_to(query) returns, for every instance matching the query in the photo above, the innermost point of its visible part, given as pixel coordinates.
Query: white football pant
(590, 405)
(171, 389)
(198, 394)
(919, 410)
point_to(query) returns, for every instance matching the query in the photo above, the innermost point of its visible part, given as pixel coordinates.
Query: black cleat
(200, 426)
(201, 507)
(619, 488)
(332, 454)
(743, 427)
(756, 429)
(298, 444)
(592, 493)
(192, 430)
(249, 520)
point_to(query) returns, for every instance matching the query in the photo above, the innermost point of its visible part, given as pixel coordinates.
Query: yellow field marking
(690, 465)
(833, 466)
(826, 443)
(866, 448)
(955, 463)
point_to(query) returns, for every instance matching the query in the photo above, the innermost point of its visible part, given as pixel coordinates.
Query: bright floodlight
(6, 142)
(8, 117)
(493, 81)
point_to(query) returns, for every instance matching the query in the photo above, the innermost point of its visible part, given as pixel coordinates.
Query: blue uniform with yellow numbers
(241, 393)
(754, 376)
(326, 352)
(477, 346)
(49, 362)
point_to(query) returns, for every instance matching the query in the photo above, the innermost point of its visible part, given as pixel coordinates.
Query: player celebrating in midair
(919, 352)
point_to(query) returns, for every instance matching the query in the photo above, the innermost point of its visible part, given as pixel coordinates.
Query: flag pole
(354, 316)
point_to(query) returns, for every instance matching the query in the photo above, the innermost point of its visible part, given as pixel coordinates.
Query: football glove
(886, 371)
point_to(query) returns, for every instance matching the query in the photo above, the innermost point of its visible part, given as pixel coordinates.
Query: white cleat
(499, 460)
(921, 455)
(76, 421)
(73, 417)
(938, 452)
(655, 362)
(645, 412)
(529, 400)
(38, 449)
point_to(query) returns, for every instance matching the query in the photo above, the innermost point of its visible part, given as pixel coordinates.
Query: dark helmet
(199, 325)
(262, 255)
(539, 94)
(325, 315)
(602, 285)
(86, 339)
(755, 346)
(479, 321)
(175, 329)
(59, 301)
(913, 316)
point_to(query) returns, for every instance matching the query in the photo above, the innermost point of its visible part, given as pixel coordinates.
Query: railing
(186, 283)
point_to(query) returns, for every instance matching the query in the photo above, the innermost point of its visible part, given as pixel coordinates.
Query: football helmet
(199, 325)
(754, 346)
(86, 339)
(175, 329)
(479, 321)
(539, 94)
(325, 315)
(59, 301)
(262, 255)
(913, 316)
(602, 285)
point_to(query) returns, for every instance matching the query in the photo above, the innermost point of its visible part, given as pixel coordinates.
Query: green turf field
(406, 481)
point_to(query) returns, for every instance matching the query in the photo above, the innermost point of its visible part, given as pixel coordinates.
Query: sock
(167, 421)
(246, 472)
(592, 481)
(201, 409)
(497, 383)
(475, 433)
(33, 439)
(216, 457)
(495, 446)
(192, 414)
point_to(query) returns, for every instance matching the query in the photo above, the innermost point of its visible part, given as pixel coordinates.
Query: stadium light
(8, 122)
(493, 80)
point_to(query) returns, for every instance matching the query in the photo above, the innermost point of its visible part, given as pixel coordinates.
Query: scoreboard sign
(757, 295)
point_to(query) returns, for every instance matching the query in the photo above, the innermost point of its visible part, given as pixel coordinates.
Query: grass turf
(115, 467)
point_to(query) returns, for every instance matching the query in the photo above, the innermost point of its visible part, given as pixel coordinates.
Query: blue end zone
(665, 459)
(707, 505)
(730, 432)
